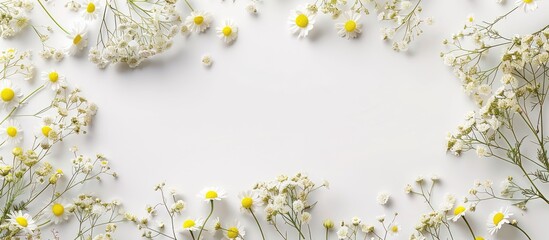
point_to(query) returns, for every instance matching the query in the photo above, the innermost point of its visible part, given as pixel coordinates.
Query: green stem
(469, 226)
(53, 19)
(519, 228)
(209, 215)
(259, 225)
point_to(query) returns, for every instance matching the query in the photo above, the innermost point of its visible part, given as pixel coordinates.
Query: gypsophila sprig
(36, 195)
(510, 94)
(14, 16)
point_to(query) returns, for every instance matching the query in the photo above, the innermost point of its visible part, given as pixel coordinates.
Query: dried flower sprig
(510, 119)
(35, 195)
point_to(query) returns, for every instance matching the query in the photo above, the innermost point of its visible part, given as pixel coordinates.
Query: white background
(353, 112)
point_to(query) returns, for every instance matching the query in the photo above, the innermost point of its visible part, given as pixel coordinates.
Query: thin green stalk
(51, 17)
(209, 215)
(258, 225)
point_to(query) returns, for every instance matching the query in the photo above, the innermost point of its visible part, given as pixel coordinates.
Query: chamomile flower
(497, 219)
(11, 132)
(9, 95)
(228, 31)
(191, 224)
(58, 211)
(350, 27)
(249, 200)
(211, 194)
(459, 211)
(53, 79)
(235, 231)
(527, 5)
(77, 38)
(47, 132)
(91, 9)
(394, 229)
(22, 221)
(301, 22)
(470, 19)
(198, 21)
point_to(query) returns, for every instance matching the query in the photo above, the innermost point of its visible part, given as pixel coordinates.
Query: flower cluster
(142, 31)
(354, 229)
(14, 16)
(402, 14)
(438, 222)
(510, 94)
(37, 195)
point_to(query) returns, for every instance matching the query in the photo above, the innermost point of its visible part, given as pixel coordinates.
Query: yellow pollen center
(498, 217)
(90, 8)
(11, 131)
(528, 1)
(57, 209)
(227, 31)
(53, 76)
(211, 195)
(350, 26)
(459, 210)
(7, 94)
(198, 20)
(471, 19)
(247, 202)
(46, 130)
(394, 229)
(77, 39)
(302, 21)
(189, 223)
(479, 238)
(232, 233)
(22, 221)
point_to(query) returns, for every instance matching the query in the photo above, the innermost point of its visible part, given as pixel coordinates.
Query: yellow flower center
(302, 21)
(528, 1)
(232, 232)
(394, 229)
(247, 202)
(77, 39)
(198, 20)
(211, 194)
(11, 131)
(479, 238)
(22, 221)
(46, 130)
(471, 19)
(57, 209)
(459, 210)
(227, 31)
(498, 217)
(90, 8)
(53, 76)
(7, 94)
(189, 223)
(350, 26)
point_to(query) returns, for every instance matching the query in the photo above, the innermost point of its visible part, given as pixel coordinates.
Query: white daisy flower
(198, 21)
(47, 132)
(459, 211)
(301, 22)
(394, 229)
(9, 95)
(236, 231)
(58, 211)
(383, 198)
(91, 10)
(77, 37)
(527, 5)
(53, 79)
(11, 132)
(191, 224)
(350, 27)
(228, 31)
(22, 221)
(249, 200)
(211, 194)
(497, 219)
